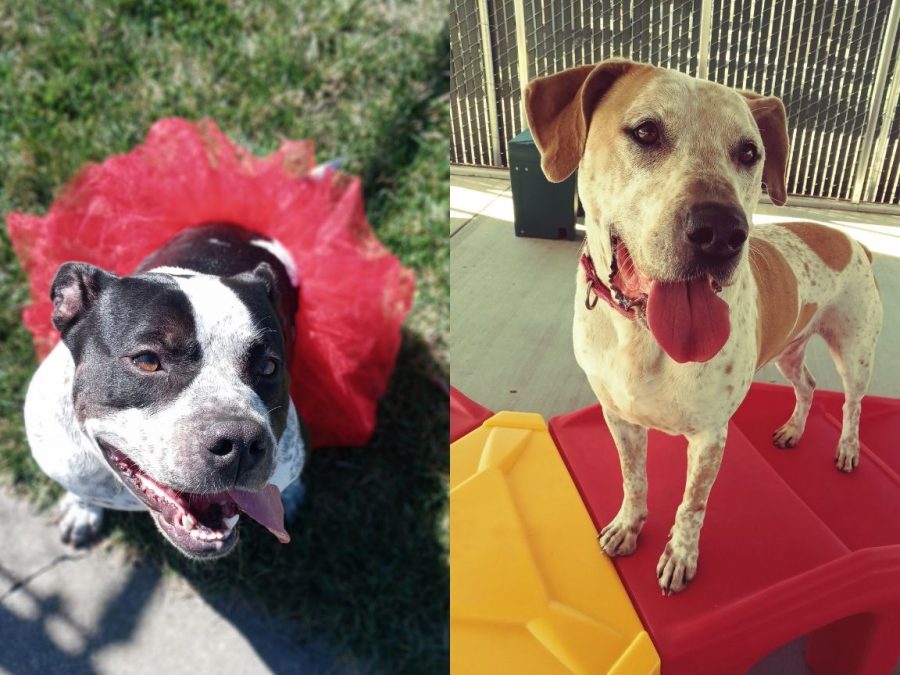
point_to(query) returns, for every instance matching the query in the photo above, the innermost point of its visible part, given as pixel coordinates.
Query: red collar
(600, 289)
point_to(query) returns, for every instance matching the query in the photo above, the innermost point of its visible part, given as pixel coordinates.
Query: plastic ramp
(530, 591)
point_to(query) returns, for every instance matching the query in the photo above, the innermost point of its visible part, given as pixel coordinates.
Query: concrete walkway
(63, 611)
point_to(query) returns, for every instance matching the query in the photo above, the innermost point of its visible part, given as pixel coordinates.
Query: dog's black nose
(717, 231)
(238, 446)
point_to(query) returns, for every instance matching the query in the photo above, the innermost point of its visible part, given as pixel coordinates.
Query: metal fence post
(521, 52)
(490, 90)
(875, 107)
(705, 39)
(891, 103)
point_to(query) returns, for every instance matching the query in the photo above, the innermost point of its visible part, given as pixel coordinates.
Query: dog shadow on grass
(364, 583)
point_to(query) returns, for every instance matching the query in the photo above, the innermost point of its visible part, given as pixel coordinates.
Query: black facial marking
(133, 316)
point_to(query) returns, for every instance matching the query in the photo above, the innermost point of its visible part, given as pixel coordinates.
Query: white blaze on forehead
(223, 321)
(283, 255)
(225, 331)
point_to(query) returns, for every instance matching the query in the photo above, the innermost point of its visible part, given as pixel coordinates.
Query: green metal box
(542, 209)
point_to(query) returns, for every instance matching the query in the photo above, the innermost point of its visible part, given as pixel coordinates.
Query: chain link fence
(836, 66)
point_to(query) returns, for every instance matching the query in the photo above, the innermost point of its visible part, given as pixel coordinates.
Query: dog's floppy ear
(771, 118)
(559, 109)
(74, 291)
(263, 272)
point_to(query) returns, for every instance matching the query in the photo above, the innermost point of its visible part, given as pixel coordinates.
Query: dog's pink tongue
(689, 321)
(265, 508)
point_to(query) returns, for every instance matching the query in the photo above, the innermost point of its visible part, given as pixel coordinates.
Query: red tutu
(354, 295)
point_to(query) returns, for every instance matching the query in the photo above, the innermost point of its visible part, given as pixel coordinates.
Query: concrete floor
(95, 612)
(512, 297)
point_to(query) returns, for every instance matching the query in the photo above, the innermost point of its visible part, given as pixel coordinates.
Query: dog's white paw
(621, 535)
(847, 456)
(79, 522)
(676, 567)
(292, 498)
(787, 436)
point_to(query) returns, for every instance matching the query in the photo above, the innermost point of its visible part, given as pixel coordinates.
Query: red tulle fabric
(354, 294)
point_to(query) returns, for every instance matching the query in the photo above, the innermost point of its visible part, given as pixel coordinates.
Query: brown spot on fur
(781, 318)
(832, 246)
(729, 368)
(729, 390)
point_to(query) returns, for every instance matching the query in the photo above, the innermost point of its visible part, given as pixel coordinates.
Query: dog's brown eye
(646, 133)
(748, 154)
(268, 367)
(147, 362)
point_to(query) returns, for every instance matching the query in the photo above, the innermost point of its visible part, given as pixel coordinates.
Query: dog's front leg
(678, 563)
(79, 520)
(621, 535)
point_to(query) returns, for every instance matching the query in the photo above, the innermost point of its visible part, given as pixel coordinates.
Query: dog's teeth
(204, 534)
(231, 522)
(188, 521)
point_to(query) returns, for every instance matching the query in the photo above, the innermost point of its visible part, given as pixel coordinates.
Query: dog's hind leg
(621, 535)
(851, 335)
(790, 364)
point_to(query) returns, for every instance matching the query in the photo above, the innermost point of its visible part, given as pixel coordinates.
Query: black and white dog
(170, 390)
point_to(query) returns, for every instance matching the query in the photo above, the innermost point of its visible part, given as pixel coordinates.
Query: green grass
(367, 570)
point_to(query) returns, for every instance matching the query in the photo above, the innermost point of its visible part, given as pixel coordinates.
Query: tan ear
(559, 109)
(771, 118)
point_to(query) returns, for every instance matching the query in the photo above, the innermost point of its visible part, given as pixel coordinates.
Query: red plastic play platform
(791, 546)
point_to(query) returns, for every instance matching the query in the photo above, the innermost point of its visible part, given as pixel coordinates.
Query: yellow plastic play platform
(530, 591)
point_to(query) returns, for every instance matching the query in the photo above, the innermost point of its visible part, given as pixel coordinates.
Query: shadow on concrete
(44, 636)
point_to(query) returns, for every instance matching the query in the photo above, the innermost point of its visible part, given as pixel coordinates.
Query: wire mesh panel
(820, 59)
(506, 69)
(886, 189)
(561, 35)
(469, 109)
(884, 166)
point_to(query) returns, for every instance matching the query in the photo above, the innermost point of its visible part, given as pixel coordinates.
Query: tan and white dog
(697, 299)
